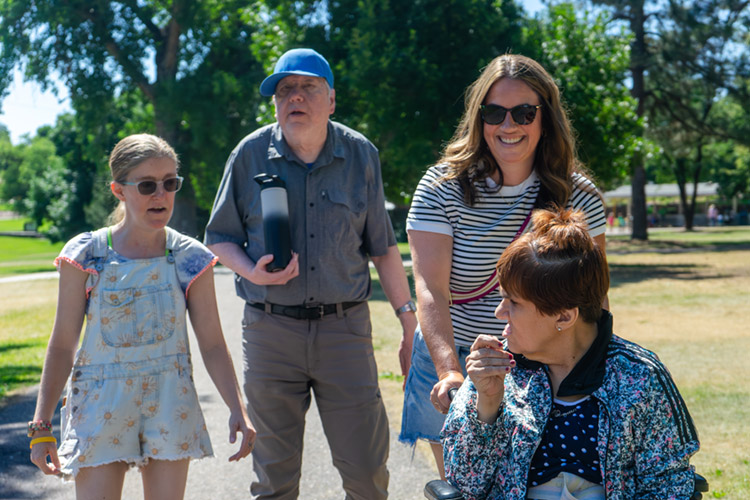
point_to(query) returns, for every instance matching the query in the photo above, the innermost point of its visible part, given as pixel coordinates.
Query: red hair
(557, 266)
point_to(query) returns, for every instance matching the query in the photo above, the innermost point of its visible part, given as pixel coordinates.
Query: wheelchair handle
(452, 392)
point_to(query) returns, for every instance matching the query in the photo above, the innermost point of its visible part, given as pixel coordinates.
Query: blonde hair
(131, 152)
(468, 156)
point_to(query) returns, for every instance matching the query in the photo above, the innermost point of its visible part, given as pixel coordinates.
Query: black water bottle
(275, 207)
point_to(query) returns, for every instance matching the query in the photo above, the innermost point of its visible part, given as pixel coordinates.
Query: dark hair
(557, 266)
(469, 158)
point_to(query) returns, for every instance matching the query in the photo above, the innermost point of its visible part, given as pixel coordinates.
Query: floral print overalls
(130, 395)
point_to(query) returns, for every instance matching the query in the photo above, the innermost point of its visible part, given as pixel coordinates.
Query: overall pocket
(137, 316)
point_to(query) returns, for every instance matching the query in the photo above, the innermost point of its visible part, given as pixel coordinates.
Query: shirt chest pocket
(345, 213)
(137, 316)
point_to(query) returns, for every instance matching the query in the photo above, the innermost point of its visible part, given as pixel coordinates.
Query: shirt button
(312, 268)
(312, 298)
(312, 236)
(76, 390)
(312, 204)
(79, 373)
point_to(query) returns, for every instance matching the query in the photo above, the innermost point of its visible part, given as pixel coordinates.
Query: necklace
(556, 413)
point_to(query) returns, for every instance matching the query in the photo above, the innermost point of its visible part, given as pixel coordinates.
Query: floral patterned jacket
(646, 435)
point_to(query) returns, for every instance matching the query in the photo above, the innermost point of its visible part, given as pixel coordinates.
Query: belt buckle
(314, 312)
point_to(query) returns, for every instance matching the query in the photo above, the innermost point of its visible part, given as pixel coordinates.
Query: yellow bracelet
(449, 372)
(45, 439)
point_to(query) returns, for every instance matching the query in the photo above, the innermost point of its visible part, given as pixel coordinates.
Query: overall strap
(100, 242)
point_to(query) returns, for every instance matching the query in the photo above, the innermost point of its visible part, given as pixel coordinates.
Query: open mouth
(511, 140)
(157, 210)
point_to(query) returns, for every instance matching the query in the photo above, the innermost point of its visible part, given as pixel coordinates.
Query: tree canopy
(189, 71)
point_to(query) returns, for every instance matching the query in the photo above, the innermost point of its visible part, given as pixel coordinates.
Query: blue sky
(26, 107)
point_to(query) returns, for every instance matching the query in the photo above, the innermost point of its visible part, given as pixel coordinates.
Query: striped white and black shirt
(482, 232)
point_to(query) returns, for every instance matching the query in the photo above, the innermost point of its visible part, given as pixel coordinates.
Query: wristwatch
(409, 306)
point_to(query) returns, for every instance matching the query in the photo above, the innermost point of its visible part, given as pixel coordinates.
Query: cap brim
(268, 87)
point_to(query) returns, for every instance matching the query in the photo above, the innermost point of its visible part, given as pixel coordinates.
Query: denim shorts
(420, 419)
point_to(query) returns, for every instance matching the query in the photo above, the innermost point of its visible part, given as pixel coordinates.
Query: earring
(559, 328)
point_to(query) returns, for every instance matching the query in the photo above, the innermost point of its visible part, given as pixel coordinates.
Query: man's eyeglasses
(146, 188)
(522, 114)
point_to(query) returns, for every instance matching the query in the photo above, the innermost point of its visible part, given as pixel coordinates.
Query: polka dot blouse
(568, 443)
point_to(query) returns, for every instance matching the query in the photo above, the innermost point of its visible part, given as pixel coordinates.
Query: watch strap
(409, 306)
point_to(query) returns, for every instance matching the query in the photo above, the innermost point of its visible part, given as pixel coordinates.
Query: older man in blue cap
(308, 326)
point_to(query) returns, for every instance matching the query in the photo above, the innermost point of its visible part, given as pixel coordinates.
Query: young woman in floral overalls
(130, 397)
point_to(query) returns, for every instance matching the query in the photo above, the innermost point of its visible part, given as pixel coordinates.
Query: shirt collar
(333, 147)
(588, 374)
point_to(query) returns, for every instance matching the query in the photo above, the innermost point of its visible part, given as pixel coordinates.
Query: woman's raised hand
(487, 365)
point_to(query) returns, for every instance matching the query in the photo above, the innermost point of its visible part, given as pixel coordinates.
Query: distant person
(561, 408)
(130, 399)
(513, 152)
(713, 215)
(610, 220)
(307, 328)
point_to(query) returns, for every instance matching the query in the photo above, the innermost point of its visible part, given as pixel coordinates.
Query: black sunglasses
(523, 114)
(146, 188)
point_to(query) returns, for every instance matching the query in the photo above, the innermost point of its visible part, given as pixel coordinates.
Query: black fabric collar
(588, 374)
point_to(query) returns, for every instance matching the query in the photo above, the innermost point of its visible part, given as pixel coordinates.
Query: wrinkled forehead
(294, 80)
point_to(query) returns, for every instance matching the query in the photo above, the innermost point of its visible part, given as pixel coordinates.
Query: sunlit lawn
(27, 311)
(11, 225)
(27, 255)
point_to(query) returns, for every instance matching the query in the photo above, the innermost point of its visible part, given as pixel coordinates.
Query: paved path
(213, 478)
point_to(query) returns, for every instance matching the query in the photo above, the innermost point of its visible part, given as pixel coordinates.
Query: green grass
(26, 316)
(19, 255)
(11, 225)
(403, 249)
(679, 239)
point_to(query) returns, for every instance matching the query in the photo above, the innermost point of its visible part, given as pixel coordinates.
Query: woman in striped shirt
(513, 151)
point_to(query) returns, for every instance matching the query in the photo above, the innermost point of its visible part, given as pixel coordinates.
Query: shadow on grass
(622, 274)
(14, 376)
(12, 346)
(623, 246)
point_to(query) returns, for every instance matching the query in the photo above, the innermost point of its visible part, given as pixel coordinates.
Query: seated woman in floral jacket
(561, 408)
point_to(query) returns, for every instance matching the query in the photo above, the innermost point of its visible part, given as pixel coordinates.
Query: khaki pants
(284, 359)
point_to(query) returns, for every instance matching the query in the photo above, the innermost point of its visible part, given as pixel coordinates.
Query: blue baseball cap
(297, 62)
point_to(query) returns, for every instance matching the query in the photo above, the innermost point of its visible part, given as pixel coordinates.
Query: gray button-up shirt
(336, 211)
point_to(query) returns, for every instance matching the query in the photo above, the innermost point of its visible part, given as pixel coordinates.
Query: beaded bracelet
(38, 425)
(45, 439)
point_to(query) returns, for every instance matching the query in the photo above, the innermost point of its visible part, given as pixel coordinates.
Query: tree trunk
(690, 211)
(681, 178)
(184, 217)
(638, 59)
(638, 209)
